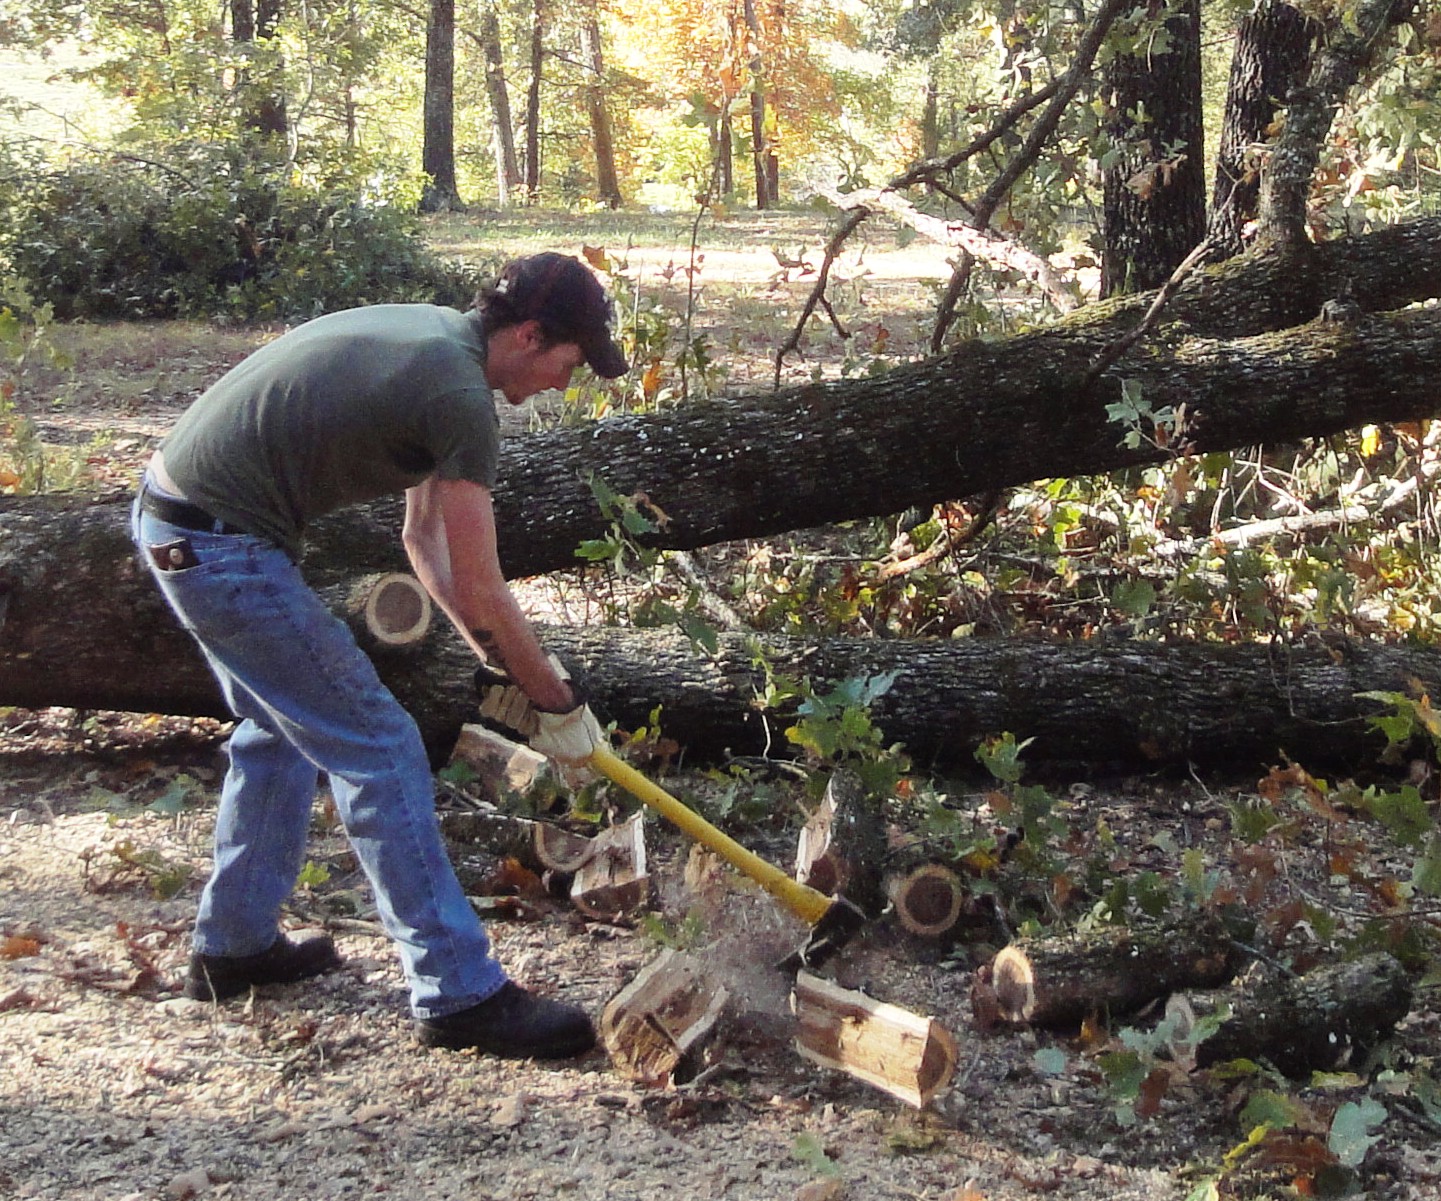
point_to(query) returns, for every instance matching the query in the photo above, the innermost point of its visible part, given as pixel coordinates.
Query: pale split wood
(614, 879)
(657, 1026)
(503, 768)
(909, 1056)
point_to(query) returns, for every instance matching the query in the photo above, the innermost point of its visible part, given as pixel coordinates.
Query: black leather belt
(184, 514)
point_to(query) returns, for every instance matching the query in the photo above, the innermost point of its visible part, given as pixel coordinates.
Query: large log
(987, 415)
(1113, 704)
(80, 626)
(1059, 980)
(1331, 1015)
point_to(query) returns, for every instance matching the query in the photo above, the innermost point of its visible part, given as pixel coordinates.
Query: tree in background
(438, 152)
(253, 26)
(1273, 47)
(1154, 177)
(592, 57)
(507, 166)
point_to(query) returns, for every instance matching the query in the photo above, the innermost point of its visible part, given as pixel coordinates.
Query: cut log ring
(929, 900)
(394, 606)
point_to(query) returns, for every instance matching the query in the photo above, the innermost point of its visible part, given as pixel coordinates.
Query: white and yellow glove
(568, 738)
(503, 701)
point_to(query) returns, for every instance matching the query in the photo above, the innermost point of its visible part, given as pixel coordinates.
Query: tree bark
(442, 194)
(507, 169)
(1110, 705)
(1273, 47)
(1060, 979)
(84, 628)
(1286, 180)
(532, 102)
(1311, 1023)
(607, 181)
(1155, 192)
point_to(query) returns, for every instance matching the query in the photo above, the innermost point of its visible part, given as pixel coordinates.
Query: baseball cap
(564, 295)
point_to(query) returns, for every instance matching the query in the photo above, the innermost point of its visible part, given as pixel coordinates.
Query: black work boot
(513, 1023)
(215, 977)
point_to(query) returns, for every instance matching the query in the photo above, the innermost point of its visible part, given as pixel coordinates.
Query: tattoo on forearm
(486, 639)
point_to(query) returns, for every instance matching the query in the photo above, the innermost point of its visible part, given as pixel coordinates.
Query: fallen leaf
(16, 947)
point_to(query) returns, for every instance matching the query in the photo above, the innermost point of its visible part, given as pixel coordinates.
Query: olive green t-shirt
(342, 409)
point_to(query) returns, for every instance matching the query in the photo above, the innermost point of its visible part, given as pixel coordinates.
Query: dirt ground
(114, 1086)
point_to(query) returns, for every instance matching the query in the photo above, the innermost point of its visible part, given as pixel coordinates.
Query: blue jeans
(309, 701)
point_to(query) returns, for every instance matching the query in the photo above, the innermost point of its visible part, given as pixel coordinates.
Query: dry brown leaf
(827, 1188)
(18, 947)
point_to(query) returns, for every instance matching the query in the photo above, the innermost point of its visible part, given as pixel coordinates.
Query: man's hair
(563, 295)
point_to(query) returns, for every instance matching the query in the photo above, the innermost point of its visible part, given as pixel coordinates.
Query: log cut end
(394, 607)
(928, 901)
(1013, 982)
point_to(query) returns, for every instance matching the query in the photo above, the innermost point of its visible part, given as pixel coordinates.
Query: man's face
(537, 368)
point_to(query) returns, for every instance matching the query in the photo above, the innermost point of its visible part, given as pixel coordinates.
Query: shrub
(215, 233)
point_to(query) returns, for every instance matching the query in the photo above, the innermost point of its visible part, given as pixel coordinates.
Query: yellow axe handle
(806, 903)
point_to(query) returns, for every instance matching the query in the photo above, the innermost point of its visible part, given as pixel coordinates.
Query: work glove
(503, 701)
(568, 738)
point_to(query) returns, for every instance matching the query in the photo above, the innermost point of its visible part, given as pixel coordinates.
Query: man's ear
(530, 334)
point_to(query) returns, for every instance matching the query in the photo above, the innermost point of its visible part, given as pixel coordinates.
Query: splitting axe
(834, 921)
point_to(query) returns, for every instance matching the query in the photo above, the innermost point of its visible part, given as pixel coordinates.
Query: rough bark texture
(607, 180)
(1155, 191)
(1315, 1022)
(1125, 703)
(1286, 182)
(1058, 980)
(83, 627)
(507, 169)
(438, 150)
(1273, 45)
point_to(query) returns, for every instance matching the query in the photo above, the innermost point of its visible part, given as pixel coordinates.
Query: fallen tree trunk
(988, 415)
(1316, 1022)
(1107, 705)
(1059, 980)
(75, 611)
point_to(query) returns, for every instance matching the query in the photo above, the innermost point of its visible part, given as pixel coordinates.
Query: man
(345, 408)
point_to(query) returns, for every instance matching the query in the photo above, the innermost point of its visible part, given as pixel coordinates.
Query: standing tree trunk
(438, 152)
(532, 102)
(507, 169)
(607, 182)
(262, 107)
(1273, 46)
(725, 175)
(762, 150)
(1351, 46)
(1155, 192)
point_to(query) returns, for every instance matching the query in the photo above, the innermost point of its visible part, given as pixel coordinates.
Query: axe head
(836, 927)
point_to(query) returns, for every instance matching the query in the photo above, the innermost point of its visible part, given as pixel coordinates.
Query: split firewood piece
(1058, 980)
(900, 1052)
(1300, 1024)
(389, 611)
(658, 1026)
(614, 880)
(504, 769)
(843, 844)
(929, 900)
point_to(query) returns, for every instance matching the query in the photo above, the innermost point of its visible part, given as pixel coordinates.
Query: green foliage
(835, 727)
(215, 231)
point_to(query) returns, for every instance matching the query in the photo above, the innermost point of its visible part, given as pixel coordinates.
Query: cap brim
(606, 359)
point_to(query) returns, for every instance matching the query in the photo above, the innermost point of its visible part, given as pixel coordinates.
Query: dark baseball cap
(564, 295)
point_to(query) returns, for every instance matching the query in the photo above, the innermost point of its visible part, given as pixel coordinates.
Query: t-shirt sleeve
(464, 433)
